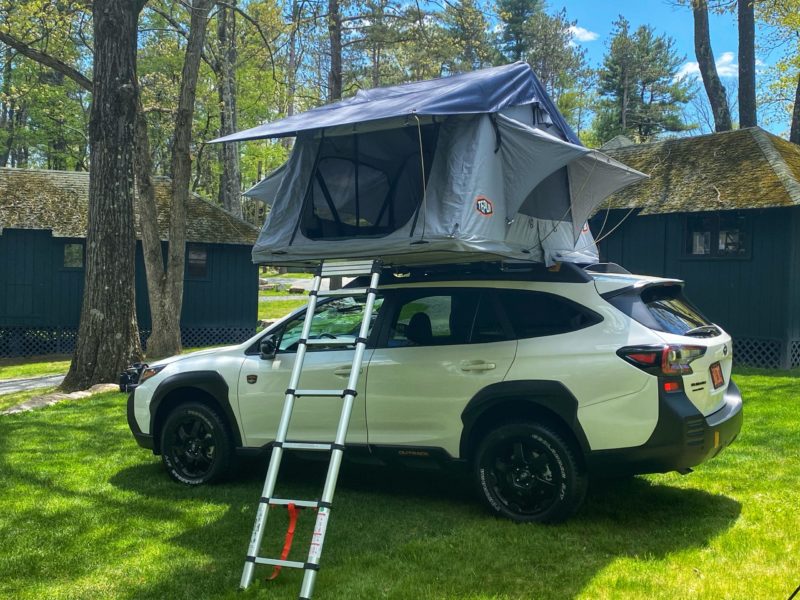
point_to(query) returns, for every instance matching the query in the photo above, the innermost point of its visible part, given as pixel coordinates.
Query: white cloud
(726, 67)
(582, 34)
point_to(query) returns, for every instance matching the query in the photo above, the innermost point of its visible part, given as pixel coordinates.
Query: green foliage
(517, 36)
(641, 93)
(782, 18)
(44, 115)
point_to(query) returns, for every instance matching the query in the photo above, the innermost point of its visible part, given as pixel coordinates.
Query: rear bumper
(143, 439)
(683, 437)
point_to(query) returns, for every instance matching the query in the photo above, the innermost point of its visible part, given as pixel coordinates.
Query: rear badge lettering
(484, 206)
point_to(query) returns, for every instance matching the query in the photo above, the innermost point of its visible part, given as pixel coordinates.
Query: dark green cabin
(722, 213)
(43, 219)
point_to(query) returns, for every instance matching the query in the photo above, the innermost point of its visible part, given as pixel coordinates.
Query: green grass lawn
(274, 309)
(33, 366)
(84, 513)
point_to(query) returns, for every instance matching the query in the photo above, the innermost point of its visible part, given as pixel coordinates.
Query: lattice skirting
(766, 353)
(28, 341)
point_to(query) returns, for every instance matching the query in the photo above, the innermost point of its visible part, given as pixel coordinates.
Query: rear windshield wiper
(703, 329)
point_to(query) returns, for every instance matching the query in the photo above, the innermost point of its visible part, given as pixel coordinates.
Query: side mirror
(268, 347)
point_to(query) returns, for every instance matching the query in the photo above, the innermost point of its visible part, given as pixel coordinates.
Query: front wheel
(528, 472)
(195, 445)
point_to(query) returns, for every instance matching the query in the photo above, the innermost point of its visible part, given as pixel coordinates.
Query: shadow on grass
(400, 533)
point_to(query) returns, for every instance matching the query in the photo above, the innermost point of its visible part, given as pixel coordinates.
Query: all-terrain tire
(196, 446)
(529, 472)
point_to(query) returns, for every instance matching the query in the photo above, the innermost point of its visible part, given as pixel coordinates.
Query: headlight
(150, 372)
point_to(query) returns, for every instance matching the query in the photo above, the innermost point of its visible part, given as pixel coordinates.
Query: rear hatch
(662, 306)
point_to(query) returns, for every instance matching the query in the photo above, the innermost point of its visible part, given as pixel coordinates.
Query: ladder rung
(307, 446)
(292, 564)
(343, 292)
(287, 502)
(330, 342)
(319, 393)
(347, 268)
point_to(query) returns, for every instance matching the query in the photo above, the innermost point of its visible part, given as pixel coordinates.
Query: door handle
(477, 365)
(345, 371)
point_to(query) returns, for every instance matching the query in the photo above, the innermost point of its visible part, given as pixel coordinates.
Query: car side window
(333, 320)
(538, 314)
(440, 318)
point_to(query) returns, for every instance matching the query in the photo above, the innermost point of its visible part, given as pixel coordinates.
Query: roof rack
(500, 270)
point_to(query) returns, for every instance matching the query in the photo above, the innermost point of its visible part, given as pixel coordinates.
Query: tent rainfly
(479, 166)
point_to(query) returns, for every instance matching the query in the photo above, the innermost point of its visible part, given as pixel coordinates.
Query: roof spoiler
(609, 267)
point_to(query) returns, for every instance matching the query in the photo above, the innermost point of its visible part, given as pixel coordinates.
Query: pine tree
(642, 95)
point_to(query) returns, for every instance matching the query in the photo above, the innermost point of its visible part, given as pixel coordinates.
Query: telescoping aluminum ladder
(323, 505)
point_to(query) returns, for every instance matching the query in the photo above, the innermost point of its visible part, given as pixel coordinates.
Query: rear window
(663, 308)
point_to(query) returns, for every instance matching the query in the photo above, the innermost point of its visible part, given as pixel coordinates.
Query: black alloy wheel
(195, 445)
(528, 472)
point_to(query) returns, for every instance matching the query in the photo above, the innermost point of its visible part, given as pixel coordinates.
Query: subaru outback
(533, 378)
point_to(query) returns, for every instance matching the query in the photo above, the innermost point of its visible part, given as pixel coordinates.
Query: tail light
(665, 361)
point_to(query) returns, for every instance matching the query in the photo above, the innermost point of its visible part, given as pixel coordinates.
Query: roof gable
(59, 201)
(745, 168)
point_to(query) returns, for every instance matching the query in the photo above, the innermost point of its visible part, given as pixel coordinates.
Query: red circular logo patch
(484, 206)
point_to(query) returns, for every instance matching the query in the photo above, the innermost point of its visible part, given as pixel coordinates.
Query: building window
(717, 236)
(73, 255)
(197, 263)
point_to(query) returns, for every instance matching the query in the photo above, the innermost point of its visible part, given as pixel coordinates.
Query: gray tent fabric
(475, 167)
(481, 172)
(267, 189)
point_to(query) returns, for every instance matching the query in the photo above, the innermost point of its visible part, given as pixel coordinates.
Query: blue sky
(595, 18)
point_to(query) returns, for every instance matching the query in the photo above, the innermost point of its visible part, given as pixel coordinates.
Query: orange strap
(287, 545)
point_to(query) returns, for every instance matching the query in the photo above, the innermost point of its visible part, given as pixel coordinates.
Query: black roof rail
(497, 271)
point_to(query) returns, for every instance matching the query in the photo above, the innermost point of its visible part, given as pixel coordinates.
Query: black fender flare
(210, 382)
(553, 396)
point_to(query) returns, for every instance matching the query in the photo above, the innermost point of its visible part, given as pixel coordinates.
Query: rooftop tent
(452, 170)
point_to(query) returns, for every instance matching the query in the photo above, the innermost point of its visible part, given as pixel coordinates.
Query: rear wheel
(528, 472)
(195, 445)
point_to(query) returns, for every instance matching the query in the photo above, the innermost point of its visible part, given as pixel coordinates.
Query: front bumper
(683, 437)
(143, 439)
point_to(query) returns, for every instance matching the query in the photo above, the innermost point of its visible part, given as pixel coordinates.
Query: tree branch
(46, 60)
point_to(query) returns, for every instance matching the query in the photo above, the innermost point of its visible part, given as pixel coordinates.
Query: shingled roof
(58, 200)
(746, 168)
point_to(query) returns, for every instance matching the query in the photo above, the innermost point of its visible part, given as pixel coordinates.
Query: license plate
(716, 375)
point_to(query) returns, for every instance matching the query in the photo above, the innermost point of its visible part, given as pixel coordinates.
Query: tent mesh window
(757, 352)
(369, 184)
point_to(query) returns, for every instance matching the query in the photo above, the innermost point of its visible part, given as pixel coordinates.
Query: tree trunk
(747, 65)
(165, 285)
(108, 338)
(335, 36)
(230, 189)
(794, 133)
(335, 75)
(6, 109)
(708, 68)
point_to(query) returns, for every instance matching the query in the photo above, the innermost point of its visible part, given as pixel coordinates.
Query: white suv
(535, 378)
